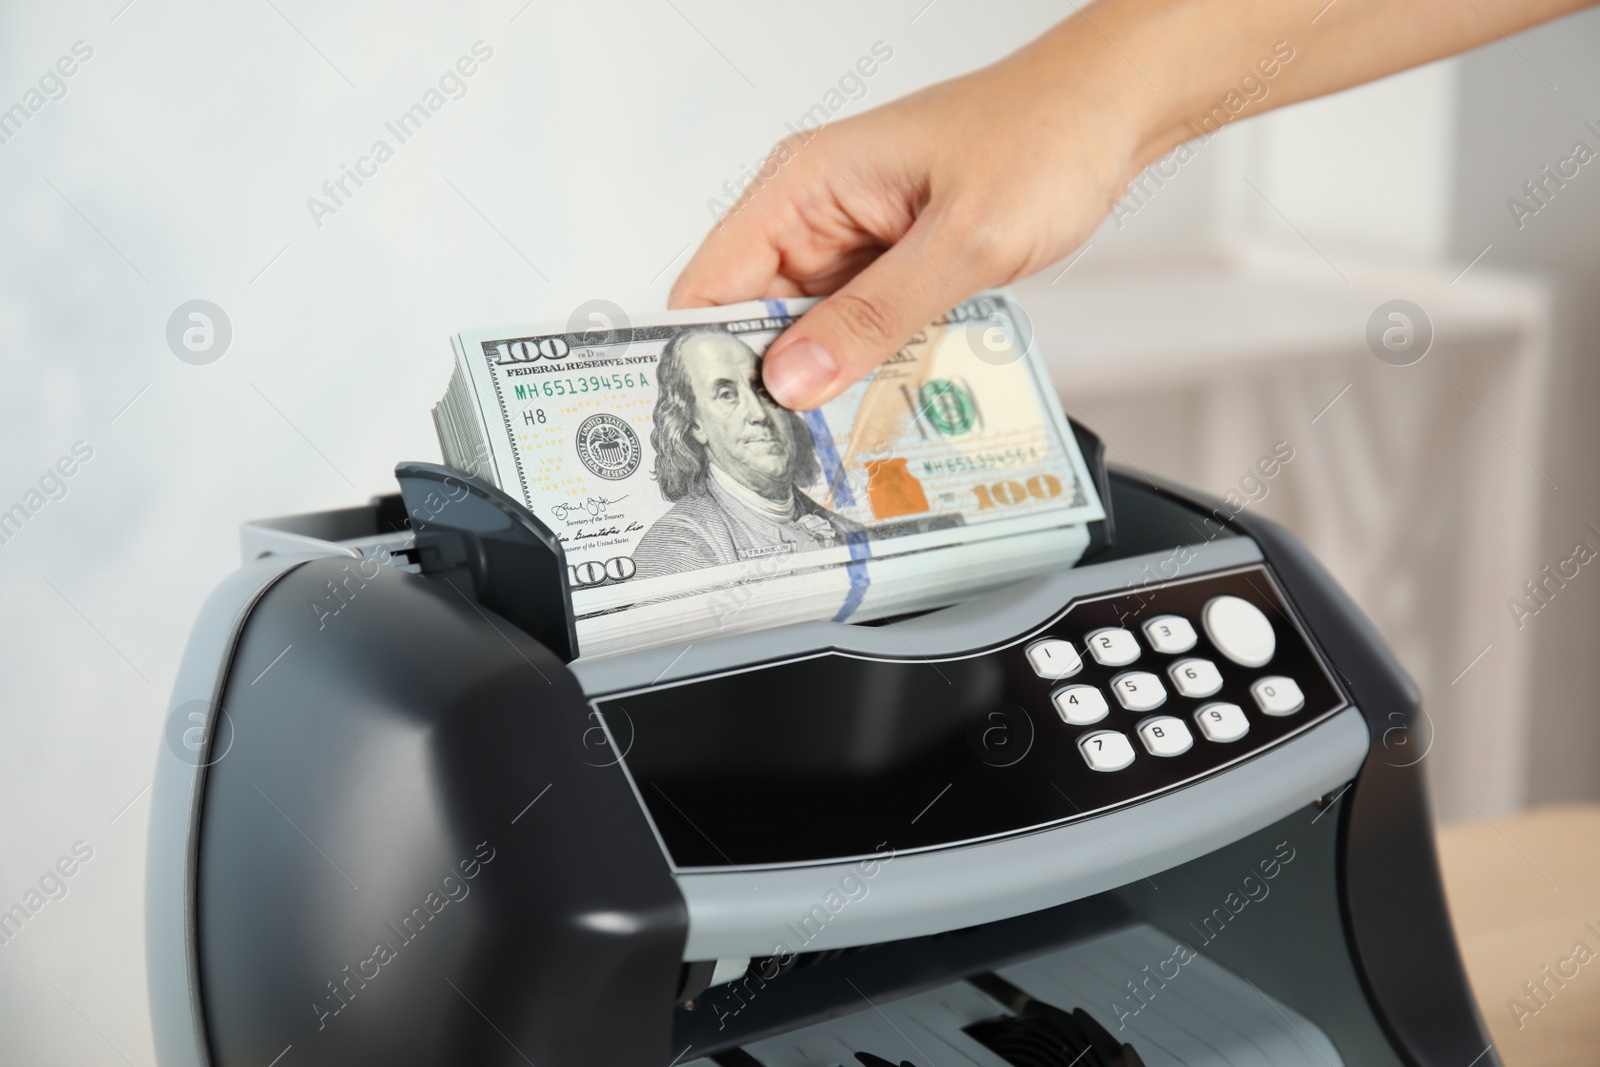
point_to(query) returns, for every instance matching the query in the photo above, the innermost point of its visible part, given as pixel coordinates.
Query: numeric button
(1166, 736)
(1278, 695)
(1139, 690)
(1080, 705)
(1054, 658)
(1222, 722)
(1240, 630)
(1171, 634)
(1106, 750)
(1196, 677)
(1113, 647)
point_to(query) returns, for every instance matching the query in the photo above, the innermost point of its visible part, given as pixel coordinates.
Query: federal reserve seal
(608, 447)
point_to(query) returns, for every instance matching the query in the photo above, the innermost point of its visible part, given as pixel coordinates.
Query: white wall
(1373, 167)
(1521, 109)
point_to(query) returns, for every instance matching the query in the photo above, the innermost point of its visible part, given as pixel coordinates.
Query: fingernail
(798, 372)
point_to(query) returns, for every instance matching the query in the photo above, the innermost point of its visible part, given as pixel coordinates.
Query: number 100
(1040, 487)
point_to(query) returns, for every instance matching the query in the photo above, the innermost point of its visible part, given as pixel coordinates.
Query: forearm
(1179, 69)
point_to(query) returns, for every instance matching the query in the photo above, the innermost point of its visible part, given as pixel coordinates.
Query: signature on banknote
(576, 513)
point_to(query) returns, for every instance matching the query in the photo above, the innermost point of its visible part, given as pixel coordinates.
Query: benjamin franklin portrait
(731, 461)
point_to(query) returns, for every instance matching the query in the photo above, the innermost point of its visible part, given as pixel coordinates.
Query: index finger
(738, 260)
(741, 256)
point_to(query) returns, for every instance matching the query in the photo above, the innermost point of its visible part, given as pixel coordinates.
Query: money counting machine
(1159, 808)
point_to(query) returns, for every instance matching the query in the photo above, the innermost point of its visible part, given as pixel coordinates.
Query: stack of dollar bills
(691, 505)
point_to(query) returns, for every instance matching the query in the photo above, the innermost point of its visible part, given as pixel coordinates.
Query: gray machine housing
(362, 754)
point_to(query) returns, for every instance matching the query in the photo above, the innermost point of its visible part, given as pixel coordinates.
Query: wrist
(1084, 84)
(1163, 71)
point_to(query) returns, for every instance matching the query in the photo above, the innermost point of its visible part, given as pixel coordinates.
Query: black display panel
(838, 756)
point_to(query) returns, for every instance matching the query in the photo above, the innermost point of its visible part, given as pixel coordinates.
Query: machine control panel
(837, 755)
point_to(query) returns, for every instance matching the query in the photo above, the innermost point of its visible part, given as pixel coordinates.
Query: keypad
(1196, 677)
(1080, 705)
(1182, 674)
(1277, 695)
(1171, 634)
(1166, 736)
(1222, 722)
(1053, 658)
(1106, 750)
(1139, 690)
(1113, 647)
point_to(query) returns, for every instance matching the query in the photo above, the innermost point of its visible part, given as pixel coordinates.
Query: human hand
(904, 211)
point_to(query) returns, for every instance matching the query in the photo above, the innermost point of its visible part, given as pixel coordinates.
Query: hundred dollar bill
(690, 504)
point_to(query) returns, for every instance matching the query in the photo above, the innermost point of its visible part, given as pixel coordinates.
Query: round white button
(1106, 751)
(1080, 705)
(1239, 629)
(1222, 722)
(1139, 690)
(1196, 677)
(1278, 695)
(1054, 658)
(1170, 634)
(1166, 736)
(1113, 647)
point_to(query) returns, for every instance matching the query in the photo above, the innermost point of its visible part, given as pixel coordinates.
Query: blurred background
(1227, 306)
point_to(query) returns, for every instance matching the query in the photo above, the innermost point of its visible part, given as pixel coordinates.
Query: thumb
(837, 342)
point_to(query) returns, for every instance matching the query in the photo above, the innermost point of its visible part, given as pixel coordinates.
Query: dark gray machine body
(398, 820)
